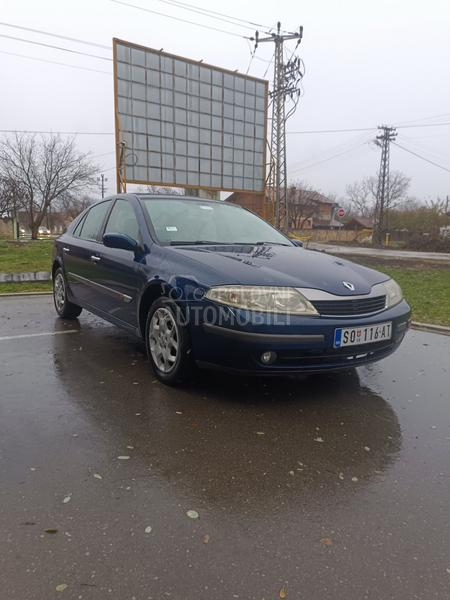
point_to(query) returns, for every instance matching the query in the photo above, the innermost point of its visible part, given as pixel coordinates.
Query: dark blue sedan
(211, 284)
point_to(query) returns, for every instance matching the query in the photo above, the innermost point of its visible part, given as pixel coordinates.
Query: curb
(442, 329)
(27, 276)
(13, 294)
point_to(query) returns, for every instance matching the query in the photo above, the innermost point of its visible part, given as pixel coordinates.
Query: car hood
(279, 266)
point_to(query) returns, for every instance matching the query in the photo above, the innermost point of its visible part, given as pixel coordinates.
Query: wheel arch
(57, 263)
(153, 291)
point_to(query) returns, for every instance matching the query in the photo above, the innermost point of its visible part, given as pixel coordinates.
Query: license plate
(355, 336)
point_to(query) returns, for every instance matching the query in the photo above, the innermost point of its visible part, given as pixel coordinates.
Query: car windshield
(182, 221)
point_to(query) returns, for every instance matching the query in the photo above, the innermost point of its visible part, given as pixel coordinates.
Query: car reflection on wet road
(332, 486)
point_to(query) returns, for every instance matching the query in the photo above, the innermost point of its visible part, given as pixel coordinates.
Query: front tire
(168, 343)
(63, 306)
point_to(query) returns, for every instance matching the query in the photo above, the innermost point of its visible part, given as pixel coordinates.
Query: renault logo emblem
(349, 285)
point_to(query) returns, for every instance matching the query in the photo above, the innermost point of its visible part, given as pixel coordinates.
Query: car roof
(149, 196)
(175, 197)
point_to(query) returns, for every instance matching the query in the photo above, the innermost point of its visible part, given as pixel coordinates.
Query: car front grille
(350, 307)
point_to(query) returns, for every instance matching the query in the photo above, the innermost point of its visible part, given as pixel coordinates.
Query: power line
(329, 158)
(420, 147)
(34, 131)
(422, 125)
(331, 130)
(425, 118)
(203, 13)
(54, 62)
(337, 148)
(17, 39)
(308, 131)
(56, 35)
(422, 157)
(213, 12)
(155, 12)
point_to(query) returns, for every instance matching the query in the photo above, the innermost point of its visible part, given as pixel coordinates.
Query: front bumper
(302, 344)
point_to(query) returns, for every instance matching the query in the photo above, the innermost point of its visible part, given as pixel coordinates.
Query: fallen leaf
(67, 499)
(283, 592)
(326, 541)
(148, 529)
(206, 538)
(51, 530)
(192, 514)
(61, 587)
(123, 457)
(98, 476)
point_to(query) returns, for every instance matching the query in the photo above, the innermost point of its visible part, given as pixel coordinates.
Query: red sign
(340, 212)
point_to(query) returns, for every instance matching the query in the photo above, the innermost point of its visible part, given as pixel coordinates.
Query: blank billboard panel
(188, 124)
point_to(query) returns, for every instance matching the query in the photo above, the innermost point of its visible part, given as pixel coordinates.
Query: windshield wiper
(259, 244)
(194, 243)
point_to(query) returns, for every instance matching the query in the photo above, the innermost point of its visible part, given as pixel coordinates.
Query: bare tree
(158, 189)
(360, 198)
(11, 197)
(45, 169)
(72, 205)
(302, 200)
(362, 195)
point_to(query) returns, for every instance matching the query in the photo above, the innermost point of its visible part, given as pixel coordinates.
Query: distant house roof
(326, 223)
(363, 222)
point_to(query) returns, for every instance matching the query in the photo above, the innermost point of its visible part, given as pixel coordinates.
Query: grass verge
(426, 288)
(18, 257)
(32, 286)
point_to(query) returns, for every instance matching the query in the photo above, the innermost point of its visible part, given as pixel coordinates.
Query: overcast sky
(367, 63)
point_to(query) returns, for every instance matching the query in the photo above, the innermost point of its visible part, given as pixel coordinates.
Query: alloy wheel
(59, 292)
(164, 339)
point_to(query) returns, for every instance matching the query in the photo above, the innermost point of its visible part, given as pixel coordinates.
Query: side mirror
(298, 243)
(121, 241)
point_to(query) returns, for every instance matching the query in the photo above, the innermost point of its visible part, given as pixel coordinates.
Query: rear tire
(63, 306)
(168, 343)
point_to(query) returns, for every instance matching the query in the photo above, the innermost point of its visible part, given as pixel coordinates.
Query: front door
(118, 273)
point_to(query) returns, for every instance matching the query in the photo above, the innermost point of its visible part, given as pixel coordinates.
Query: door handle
(95, 258)
(66, 250)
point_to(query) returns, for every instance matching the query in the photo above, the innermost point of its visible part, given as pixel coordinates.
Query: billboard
(185, 123)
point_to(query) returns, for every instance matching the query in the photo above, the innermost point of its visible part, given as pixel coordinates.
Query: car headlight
(394, 293)
(262, 299)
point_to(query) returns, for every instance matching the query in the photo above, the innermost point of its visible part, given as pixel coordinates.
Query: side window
(94, 220)
(76, 232)
(123, 220)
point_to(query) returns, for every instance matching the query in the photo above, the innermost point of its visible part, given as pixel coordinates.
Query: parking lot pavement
(328, 487)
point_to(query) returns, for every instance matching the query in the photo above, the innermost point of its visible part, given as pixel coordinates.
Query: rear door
(119, 274)
(82, 255)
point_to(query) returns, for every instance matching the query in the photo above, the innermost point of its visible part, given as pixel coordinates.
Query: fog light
(269, 357)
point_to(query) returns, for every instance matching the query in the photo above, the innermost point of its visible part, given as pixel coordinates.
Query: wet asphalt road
(328, 487)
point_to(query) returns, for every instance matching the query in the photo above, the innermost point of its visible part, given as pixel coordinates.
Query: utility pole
(286, 79)
(388, 135)
(103, 180)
